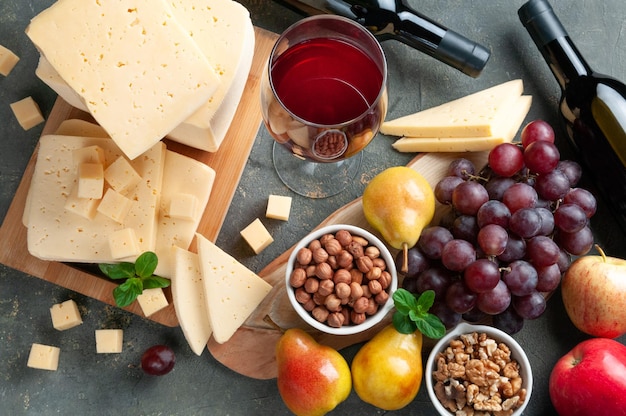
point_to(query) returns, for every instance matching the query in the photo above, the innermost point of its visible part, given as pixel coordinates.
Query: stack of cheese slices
(476, 122)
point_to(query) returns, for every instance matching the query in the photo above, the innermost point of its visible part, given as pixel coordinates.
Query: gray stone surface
(90, 384)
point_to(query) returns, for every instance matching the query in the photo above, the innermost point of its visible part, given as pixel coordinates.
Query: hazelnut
(361, 304)
(314, 245)
(385, 279)
(326, 287)
(324, 271)
(318, 299)
(357, 318)
(375, 287)
(310, 270)
(309, 306)
(373, 273)
(342, 276)
(333, 247)
(311, 285)
(320, 255)
(344, 237)
(332, 303)
(360, 240)
(364, 263)
(372, 307)
(320, 313)
(345, 259)
(366, 291)
(304, 256)
(302, 296)
(372, 252)
(380, 263)
(332, 262)
(325, 238)
(342, 290)
(355, 249)
(381, 298)
(336, 319)
(356, 275)
(297, 278)
(356, 291)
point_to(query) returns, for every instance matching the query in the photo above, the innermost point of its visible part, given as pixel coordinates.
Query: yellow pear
(387, 370)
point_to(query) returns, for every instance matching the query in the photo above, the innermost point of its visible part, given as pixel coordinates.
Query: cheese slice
(189, 301)
(232, 291)
(475, 115)
(224, 31)
(46, 72)
(78, 127)
(136, 68)
(516, 116)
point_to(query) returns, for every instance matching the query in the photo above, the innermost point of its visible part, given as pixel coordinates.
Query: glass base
(312, 179)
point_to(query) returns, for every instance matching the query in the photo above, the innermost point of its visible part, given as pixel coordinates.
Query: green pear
(312, 378)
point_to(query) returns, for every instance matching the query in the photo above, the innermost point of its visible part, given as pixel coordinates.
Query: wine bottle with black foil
(593, 106)
(394, 19)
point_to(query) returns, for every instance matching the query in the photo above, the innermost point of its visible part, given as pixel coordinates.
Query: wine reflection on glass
(323, 99)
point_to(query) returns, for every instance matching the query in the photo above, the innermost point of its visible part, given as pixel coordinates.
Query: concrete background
(90, 384)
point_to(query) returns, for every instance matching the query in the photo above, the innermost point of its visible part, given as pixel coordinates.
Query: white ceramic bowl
(370, 321)
(517, 353)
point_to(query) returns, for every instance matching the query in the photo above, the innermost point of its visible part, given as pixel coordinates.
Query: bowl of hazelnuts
(340, 279)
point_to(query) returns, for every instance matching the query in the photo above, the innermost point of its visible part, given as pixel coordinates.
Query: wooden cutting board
(228, 163)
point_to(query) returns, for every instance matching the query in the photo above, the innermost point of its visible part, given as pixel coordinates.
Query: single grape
(578, 243)
(433, 239)
(494, 301)
(529, 306)
(410, 284)
(520, 277)
(525, 222)
(541, 157)
(506, 159)
(460, 298)
(542, 251)
(457, 254)
(552, 185)
(571, 169)
(481, 275)
(461, 167)
(158, 360)
(465, 227)
(515, 249)
(448, 317)
(548, 278)
(583, 198)
(509, 321)
(565, 259)
(475, 315)
(570, 218)
(417, 262)
(520, 195)
(444, 188)
(493, 212)
(435, 278)
(536, 130)
(492, 239)
(547, 221)
(468, 197)
(497, 185)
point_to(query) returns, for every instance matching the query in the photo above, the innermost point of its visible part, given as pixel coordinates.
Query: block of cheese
(51, 77)
(257, 236)
(124, 244)
(85, 207)
(181, 175)
(90, 180)
(114, 205)
(8, 60)
(27, 113)
(517, 114)
(65, 315)
(224, 31)
(475, 115)
(43, 357)
(78, 127)
(152, 300)
(109, 341)
(189, 300)
(278, 207)
(54, 233)
(121, 176)
(232, 291)
(138, 70)
(89, 154)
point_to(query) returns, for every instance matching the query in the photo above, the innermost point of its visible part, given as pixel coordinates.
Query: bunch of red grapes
(509, 235)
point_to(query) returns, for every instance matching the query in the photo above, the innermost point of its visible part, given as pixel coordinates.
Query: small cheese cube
(7, 60)
(65, 315)
(114, 205)
(123, 243)
(152, 300)
(183, 206)
(109, 341)
(27, 113)
(43, 357)
(278, 207)
(257, 236)
(89, 154)
(121, 175)
(90, 180)
(85, 207)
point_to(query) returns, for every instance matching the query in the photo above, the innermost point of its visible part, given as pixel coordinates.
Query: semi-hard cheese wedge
(56, 233)
(232, 291)
(468, 144)
(138, 70)
(475, 115)
(51, 77)
(189, 300)
(224, 31)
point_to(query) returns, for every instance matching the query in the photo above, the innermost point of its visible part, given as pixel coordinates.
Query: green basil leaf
(426, 300)
(404, 301)
(402, 323)
(127, 292)
(146, 264)
(117, 270)
(155, 281)
(431, 326)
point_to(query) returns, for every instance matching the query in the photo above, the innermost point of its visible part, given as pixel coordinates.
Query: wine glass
(323, 99)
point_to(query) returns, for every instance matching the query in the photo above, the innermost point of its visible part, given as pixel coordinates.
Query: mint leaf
(431, 326)
(412, 314)
(426, 300)
(118, 270)
(403, 323)
(127, 292)
(404, 301)
(146, 264)
(155, 281)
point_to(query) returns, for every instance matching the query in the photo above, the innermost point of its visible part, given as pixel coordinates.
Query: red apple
(590, 379)
(594, 295)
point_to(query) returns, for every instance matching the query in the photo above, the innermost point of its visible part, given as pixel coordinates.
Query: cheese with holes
(114, 205)
(85, 207)
(516, 113)
(43, 357)
(189, 300)
(475, 115)
(78, 127)
(121, 176)
(152, 300)
(138, 70)
(90, 180)
(8, 60)
(27, 113)
(124, 244)
(232, 291)
(65, 315)
(109, 341)
(51, 77)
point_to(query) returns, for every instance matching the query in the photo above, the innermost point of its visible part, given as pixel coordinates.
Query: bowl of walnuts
(478, 369)
(340, 279)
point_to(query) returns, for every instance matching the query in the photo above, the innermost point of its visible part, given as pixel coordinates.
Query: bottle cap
(463, 54)
(542, 24)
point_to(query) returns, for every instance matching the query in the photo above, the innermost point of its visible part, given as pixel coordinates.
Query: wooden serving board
(228, 162)
(251, 350)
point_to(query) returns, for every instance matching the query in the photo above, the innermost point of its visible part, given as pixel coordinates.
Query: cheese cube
(109, 341)
(152, 300)
(121, 175)
(85, 207)
(278, 207)
(27, 113)
(90, 180)
(123, 243)
(65, 315)
(8, 59)
(89, 154)
(183, 206)
(43, 357)
(114, 205)
(257, 236)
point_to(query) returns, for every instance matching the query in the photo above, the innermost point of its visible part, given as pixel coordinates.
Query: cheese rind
(257, 236)
(65, 315)
(109, 341)
(43, 357)
(8, 60)
(27, 113)
(475, 115)
(232, 291)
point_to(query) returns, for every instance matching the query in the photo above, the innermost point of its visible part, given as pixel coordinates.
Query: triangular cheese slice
(189, 302)
(475, 115)
(232, 291)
